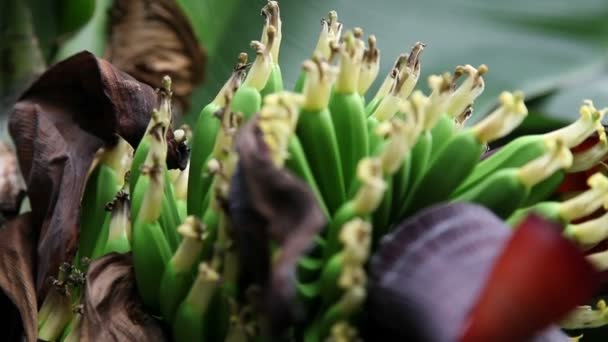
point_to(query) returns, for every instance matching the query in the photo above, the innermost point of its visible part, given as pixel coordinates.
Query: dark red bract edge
(538, 278)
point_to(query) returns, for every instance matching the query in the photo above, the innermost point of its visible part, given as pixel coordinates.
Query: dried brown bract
(270, 204)
(112, 308)
(152, 38)
(73, 109)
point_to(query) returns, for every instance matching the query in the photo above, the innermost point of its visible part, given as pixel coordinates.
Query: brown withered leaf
(73, 109)
(113, 310)
(152, 38)
(18, 297)
(268, 203)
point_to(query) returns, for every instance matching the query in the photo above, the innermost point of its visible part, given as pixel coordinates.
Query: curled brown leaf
(17, 296)
(268, 203)
(73, 109)
(152, 38)
(112, 308)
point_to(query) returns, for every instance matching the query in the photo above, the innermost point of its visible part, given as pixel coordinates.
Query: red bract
(538, 278)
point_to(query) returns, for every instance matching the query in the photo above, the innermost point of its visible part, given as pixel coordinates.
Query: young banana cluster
(370, 164)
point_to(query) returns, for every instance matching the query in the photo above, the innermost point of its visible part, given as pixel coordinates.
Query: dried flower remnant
(17, 291)
(76, 107)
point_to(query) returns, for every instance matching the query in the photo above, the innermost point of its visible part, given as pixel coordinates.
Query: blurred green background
(554, 50)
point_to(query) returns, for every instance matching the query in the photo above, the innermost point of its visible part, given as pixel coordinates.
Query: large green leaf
(534, 46)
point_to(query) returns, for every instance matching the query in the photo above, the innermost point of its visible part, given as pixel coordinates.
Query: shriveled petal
(113, 310)
(17, 296)
(270, 204)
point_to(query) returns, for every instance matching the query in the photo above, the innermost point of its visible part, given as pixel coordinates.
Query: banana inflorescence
(370, 164)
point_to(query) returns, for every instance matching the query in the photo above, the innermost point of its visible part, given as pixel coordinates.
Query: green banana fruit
(316, 132)
(462, 152)
(104, 182)
(151, 250)
(177, 277)
(575, 208)
(346, 107)
(247, 99)
(191, 317)
(506, 190)
(526, 148)
(204, 137)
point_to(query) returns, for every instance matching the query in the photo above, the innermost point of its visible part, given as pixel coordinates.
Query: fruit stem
(59, 317)
(388, 106)
(587, 202)
(589, 232)
(371, 192)
(229, 123)
(317, 87)
(503, 120)
(262, 66)
(441, 86)
(180, 185)
(118, 158)
(388, 82)
(120, 222)
(591, 157)
(599, 260)
(558, 156)
(331, 30)
(369, 67)
(464, 96)
(575, 133)
(406, 79)
(402, 138)
(272, 16)
(153, 167)
(234, 82)
(204, 287)
(193, 233)
(351, 57)
(585, 317)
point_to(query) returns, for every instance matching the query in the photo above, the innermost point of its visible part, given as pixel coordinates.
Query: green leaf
(55, 21)
(92, 37)
(527, 45)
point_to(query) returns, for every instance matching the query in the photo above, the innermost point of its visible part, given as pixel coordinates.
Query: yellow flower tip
(369, 172)
(601, 305)
(358, 33)
(333, 16)
(560, 151)
(356, 232)
(576, 338)
(207, 272)
(371, 42)
(191, 228)
(166, 84)
(179, 135)
(513, 103)
(383, 129)
(598, 181)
